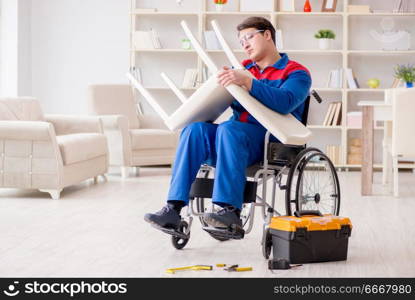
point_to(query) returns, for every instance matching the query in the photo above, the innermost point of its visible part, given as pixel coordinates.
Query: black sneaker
(167, 217)
(224, 218)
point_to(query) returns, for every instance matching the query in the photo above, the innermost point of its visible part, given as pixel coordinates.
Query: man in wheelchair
(280, 84)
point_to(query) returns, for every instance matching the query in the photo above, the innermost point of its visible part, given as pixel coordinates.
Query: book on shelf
(190, 78)
(206, 74)
(278, 39)
(337, 115)
(155, 38)
(146, 39)
(404, 6)
(351, 81)
(136, 71)
(357, 82)
(326, 118)
(397, 83)
(335, 79)
(332, 112)
(211, 41)
(333, 115)
(333, 152)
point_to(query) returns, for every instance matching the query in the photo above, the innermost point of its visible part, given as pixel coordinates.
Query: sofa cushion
(20, 109)
(81, 146)
(152, 139)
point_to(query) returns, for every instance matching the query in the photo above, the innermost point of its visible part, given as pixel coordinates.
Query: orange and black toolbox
(310, 237)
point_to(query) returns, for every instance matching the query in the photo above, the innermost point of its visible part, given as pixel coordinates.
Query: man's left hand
(229, 76)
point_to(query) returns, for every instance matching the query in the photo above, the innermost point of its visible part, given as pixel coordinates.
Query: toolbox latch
(344, 232)
(301, 233)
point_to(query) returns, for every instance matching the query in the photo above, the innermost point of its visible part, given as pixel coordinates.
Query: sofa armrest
(27, 130)
(151, 121)
(116, 129)
(69, 124)
(32, 140)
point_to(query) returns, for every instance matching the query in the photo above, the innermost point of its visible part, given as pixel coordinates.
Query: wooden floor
(98, 230)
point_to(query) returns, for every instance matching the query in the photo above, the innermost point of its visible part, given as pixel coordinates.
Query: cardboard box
(354, 159)
(355, 142)
(355, 150)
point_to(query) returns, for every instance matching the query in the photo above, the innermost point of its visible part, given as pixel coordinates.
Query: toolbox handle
(299, 214)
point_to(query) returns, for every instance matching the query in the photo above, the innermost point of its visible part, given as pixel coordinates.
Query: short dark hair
(258, 23)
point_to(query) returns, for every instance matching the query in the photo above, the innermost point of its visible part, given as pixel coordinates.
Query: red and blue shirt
(282, 87)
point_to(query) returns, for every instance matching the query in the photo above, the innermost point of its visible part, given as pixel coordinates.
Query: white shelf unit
(353, 48)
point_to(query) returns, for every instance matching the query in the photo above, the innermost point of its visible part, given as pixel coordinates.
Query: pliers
(236, 268)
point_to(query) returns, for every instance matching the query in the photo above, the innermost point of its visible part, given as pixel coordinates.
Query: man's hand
(229, 76)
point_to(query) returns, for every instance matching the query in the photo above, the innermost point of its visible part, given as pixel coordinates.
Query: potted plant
(406, 73)
(325, 38)
(219, 4)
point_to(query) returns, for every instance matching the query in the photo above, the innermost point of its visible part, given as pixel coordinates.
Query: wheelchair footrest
(172, 231)
(233, 232)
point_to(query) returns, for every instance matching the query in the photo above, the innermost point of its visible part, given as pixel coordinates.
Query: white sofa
(134, 139)
(48, 152)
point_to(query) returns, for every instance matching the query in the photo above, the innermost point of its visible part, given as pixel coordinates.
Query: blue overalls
(238, 143)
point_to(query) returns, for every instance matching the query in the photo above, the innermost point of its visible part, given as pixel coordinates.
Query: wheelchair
(306, 175)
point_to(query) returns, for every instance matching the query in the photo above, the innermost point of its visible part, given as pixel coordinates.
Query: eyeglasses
(248, 36)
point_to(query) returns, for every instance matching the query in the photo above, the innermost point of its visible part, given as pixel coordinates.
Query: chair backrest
(20, 109)
(113, 99)
(403, 124)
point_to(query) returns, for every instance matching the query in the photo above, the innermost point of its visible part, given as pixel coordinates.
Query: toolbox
(310, 237)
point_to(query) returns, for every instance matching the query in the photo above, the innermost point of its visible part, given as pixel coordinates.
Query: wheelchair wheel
(313, 184)
(266, 243)
(178, 242)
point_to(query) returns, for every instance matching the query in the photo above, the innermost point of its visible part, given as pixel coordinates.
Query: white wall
(9, 46)
(75, 43)
(24, 65)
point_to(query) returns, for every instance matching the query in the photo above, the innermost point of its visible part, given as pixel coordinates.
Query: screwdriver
(195, 268)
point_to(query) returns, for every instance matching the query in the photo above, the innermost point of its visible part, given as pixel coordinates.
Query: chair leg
(395, 176)
(55, 194)
(125, 172)
(390, 173)
(385, 165)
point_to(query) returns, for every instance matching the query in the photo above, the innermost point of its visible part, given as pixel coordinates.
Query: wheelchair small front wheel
(179, 242)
